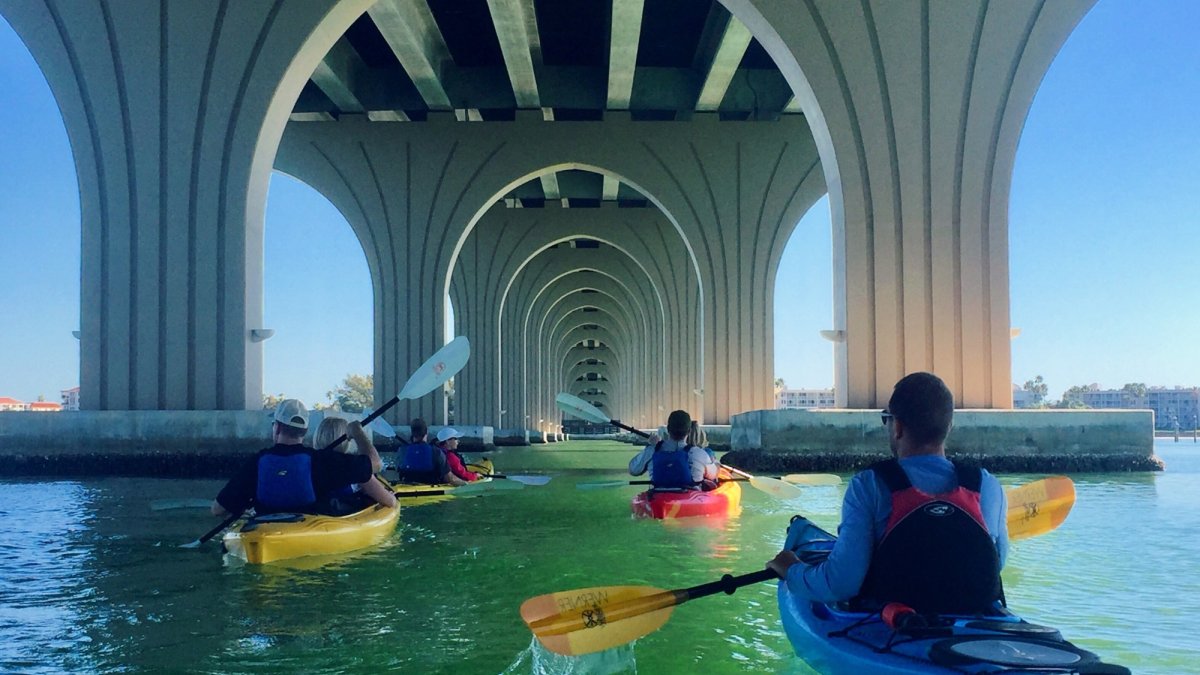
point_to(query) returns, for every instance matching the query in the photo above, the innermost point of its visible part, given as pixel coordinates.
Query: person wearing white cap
(290, 476)
(447, 440)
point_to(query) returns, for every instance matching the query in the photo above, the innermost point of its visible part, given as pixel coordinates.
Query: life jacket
(285, 482)
(936, 554)
(417, 464)
(671, 468)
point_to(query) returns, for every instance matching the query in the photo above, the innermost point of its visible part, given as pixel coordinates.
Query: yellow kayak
(281, 536)
(416, 494)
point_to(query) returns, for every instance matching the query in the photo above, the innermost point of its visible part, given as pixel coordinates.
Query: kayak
(282, 536)
(725, 500)
(832, 639)
(417, 494)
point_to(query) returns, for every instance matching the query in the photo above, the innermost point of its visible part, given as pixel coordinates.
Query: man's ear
(898, 426)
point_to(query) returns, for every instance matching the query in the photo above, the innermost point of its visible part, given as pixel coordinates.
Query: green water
(91, 579)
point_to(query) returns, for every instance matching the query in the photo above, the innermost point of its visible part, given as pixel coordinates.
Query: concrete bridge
(604, 189)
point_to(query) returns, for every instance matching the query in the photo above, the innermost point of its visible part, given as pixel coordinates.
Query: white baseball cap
(292, 412)
(448, 433)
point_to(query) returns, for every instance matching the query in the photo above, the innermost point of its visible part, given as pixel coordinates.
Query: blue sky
(1103, 228)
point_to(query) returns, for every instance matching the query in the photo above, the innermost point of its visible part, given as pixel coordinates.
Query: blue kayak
(835, 640)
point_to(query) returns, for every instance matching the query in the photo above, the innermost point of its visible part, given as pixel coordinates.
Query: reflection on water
(91, 580)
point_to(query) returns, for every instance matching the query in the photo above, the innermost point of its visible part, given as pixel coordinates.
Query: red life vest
(936, 554)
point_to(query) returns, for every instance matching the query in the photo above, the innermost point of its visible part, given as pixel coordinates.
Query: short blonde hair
(329, 431)
(696, 436)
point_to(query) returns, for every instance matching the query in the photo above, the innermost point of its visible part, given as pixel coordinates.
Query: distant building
(44, 406)
(70, 398)
(803, 398)
(1023, 398)
(1179, 406)
(10, 404)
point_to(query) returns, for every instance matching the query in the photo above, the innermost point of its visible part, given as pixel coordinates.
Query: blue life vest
(671, 468)
(417, 464)
(285, 482)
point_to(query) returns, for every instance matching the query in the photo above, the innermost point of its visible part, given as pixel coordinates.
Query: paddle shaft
(726, 584)
(234, 516)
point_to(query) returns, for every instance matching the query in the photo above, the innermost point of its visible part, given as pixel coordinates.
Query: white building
(70, 398)
(11, 404)
(803, 398)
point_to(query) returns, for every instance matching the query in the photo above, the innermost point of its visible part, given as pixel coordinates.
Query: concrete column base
(1000, 440)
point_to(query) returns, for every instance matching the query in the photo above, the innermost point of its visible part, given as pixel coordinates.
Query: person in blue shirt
(917, 529)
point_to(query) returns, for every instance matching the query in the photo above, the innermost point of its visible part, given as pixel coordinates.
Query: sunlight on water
(91, 579)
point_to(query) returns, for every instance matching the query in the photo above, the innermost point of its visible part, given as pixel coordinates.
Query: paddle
(526, 480)
(435, 372)
(1038, 507)
(589, 620)
(593, 619)
(772, 486)
(817, 479)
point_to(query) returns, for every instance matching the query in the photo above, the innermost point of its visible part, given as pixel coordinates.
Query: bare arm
(363, 441)
(376, 490)
(217, 509)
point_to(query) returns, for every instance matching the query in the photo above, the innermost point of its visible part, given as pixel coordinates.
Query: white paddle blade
(531, 480)
(379, 425)
(813, 479)
(573, 405)
(440, 367)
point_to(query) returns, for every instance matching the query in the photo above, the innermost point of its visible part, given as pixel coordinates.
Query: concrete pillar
(917, 108)
(733, 190)
(174, 111)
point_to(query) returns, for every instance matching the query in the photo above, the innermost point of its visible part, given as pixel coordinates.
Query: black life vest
(671, 468)
(936, 554)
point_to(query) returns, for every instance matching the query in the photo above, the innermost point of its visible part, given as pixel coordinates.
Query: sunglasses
(885, 416)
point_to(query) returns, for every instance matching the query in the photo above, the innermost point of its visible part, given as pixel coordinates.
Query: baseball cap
(448, 433)
(292, 412)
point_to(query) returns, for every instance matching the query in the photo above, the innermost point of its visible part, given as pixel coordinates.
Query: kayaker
(290, 476)
(447, 441)
(354, 496)
(675, 463)
(698, 438)
(421, 462)
(917, 529)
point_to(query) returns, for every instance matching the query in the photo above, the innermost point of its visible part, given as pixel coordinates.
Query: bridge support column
(174, 111)
(917, 121)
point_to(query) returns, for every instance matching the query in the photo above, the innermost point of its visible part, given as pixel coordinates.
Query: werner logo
(939, 510)
(438, 368)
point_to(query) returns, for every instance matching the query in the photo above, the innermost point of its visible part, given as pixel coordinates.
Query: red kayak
(726, 500)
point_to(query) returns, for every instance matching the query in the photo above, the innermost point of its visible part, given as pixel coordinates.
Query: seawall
(176, 443)
(1000, 440)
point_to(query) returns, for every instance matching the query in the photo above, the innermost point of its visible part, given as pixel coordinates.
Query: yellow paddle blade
(588, 620)
(1039, 507)
(813, 479)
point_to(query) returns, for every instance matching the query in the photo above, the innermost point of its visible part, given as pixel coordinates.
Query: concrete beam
(513, 20)
(609, 191)
(339, 74)
(411, 32)
(622, 51)
(735, 39)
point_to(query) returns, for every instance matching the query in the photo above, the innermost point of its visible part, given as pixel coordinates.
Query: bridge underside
(602, 190)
